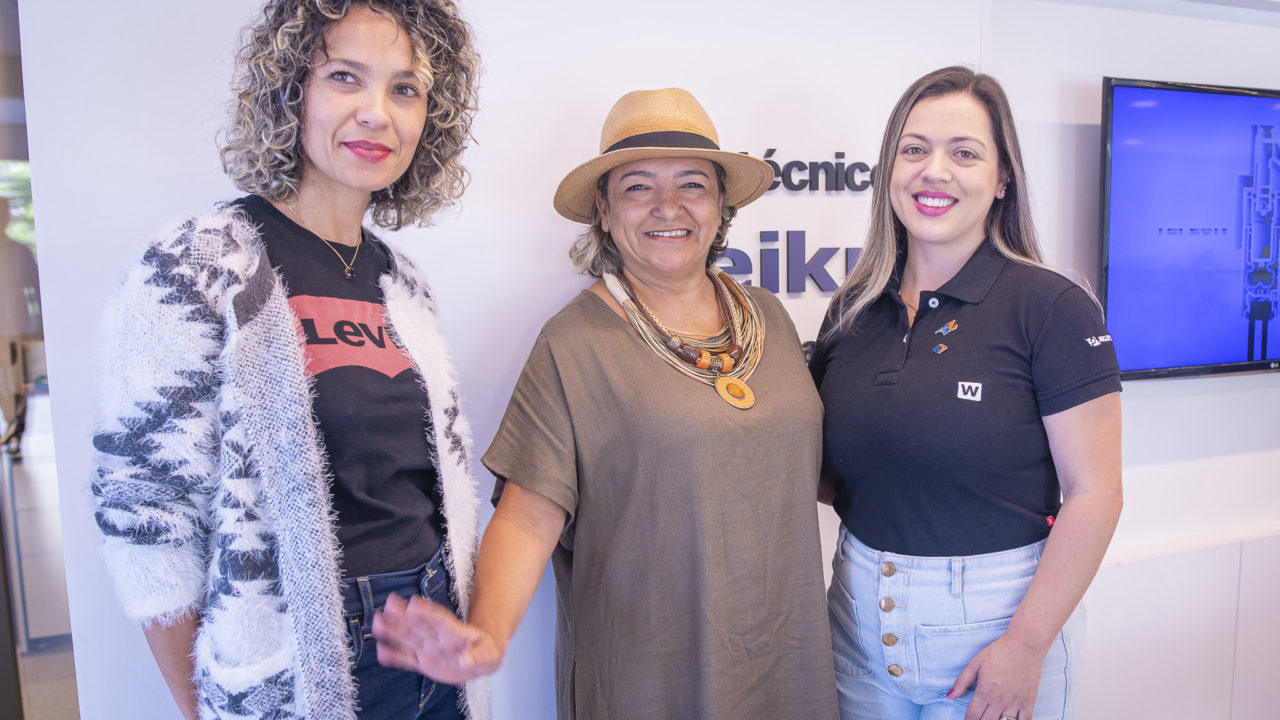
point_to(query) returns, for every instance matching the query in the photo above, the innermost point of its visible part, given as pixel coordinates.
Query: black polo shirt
(933, 432)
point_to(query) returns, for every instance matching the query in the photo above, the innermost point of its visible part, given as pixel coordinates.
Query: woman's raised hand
(427, 638)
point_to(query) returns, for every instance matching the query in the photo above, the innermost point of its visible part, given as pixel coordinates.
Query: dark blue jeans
(387, 693)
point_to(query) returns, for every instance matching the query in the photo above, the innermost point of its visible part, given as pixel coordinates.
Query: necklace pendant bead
(736, 347)
(349, 273)
(688, 354)
(736, 392)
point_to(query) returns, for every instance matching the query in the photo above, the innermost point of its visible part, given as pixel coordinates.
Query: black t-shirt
(933, 433)
(369, 401)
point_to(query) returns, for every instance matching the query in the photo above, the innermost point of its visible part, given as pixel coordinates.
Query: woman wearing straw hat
(661, 447)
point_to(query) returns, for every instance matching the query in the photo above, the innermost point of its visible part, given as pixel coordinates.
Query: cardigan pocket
(244, 658)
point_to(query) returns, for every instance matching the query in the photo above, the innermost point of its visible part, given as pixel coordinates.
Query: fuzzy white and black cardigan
(211, 482)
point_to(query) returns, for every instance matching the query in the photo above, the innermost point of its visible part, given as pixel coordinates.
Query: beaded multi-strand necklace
(724, 360)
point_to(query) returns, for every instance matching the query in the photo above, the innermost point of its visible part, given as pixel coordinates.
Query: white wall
(122, 132)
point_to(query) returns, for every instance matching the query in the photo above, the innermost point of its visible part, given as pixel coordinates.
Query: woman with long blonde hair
(971, 431)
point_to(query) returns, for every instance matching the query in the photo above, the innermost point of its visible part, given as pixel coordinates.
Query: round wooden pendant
(735, 392)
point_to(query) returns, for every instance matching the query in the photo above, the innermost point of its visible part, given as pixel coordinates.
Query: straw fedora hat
(659, 124)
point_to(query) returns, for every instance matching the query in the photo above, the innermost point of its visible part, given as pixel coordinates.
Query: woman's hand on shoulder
(427, 638)
(1007, 673)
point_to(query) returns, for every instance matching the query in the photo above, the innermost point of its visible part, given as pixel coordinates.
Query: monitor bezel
(1109, 84)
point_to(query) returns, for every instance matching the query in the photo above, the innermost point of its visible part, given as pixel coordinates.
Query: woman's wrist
(1029, 638)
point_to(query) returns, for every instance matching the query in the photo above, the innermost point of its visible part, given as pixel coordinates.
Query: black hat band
(665, 138)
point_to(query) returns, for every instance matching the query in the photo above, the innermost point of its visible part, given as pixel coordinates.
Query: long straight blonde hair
(1008, 223)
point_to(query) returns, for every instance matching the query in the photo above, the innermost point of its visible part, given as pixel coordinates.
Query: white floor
(47, 667)
(48, 675)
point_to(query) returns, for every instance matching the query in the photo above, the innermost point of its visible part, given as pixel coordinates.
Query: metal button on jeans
(887, 569)
(895, 670)
(889, 639)
(886, 604)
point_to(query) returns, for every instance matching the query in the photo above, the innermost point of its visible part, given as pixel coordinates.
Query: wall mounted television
(1191, 227)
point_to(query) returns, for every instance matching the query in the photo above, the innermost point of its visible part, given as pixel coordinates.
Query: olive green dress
(689, 575)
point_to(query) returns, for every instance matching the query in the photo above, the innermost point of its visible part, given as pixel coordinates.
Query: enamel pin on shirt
(947, 329)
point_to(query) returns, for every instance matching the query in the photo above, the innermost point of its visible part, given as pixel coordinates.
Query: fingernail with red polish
(949, 692)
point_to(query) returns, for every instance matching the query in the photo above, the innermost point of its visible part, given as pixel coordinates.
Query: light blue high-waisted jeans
(904, 627)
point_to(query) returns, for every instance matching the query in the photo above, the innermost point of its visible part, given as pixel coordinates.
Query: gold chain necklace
(349, 269)
(722, 362)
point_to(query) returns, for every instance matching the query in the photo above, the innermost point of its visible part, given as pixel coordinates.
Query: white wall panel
(1258, 628)
(1161, 637)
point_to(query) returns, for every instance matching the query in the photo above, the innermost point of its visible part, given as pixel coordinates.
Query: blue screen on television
(1193, 228)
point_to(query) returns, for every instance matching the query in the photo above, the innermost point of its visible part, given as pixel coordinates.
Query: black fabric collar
(974, 280)
(977, 276)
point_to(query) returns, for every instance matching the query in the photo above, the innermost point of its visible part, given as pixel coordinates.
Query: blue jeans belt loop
(366, 601)
(957, 576)
(428, 572)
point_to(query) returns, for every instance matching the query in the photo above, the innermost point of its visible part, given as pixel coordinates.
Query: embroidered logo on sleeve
(969, 391)
(1098, 340)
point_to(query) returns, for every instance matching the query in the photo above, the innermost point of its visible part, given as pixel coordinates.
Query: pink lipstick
(368, 151)
(933, 204)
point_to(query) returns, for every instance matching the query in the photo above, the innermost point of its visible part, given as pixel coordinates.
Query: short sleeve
(1073, 360)
(534, 447)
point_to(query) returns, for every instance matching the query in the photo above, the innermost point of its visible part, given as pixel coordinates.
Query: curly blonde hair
(262, 144)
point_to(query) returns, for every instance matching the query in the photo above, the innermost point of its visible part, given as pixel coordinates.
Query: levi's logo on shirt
(346, 333)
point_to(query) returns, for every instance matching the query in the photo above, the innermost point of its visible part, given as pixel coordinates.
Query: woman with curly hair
(287, 449)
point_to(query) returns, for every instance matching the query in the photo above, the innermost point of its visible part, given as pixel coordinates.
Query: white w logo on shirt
(969, 391)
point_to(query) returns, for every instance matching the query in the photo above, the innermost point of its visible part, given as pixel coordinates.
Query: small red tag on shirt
(1049, 520)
